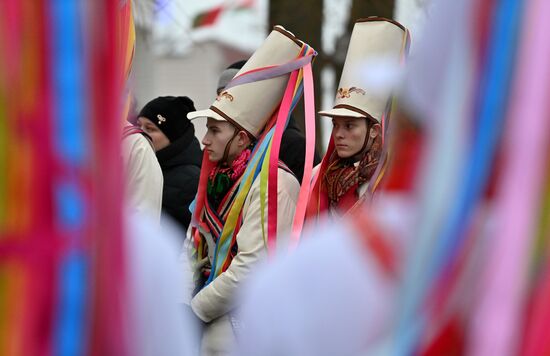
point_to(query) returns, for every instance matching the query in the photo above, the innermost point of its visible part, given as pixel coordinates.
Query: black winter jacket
(181, 165)
(293, 150)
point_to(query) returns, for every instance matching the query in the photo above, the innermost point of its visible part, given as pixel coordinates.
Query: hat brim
(205, 113)
(344, 112)
(341, 112)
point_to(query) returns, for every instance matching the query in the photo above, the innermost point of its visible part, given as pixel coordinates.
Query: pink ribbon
(303, 196)
(274, 163)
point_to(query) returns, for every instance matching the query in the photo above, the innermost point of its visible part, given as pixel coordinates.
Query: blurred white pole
(413, 15)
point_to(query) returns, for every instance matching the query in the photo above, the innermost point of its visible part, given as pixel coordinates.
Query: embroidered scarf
(215, 218)
(345, 174)
(222, 188)
(222, 178)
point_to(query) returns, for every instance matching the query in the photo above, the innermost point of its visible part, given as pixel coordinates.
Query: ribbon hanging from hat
(386, 154)
(299, 80)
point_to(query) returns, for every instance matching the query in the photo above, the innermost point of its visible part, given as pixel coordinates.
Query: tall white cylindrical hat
(249, 106)
(375, 42)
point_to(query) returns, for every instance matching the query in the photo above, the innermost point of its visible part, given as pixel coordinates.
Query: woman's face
(217, 136)
(349, 135)
(159, 138)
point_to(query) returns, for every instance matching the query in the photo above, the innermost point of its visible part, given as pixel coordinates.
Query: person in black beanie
(178, 152)
(293, 142)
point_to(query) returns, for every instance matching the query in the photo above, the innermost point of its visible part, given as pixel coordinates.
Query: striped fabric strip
(271, 71)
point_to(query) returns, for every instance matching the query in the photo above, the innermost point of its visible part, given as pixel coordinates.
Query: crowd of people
(422, 230)
(219, 197)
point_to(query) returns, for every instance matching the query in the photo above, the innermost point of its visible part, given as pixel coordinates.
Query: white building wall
(194, 74)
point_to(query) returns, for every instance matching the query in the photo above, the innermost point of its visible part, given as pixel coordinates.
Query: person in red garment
(346, 175)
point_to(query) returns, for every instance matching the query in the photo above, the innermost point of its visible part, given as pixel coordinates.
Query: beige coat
(214, 302)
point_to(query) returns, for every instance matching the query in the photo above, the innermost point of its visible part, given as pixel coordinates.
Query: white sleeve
(143, 176)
